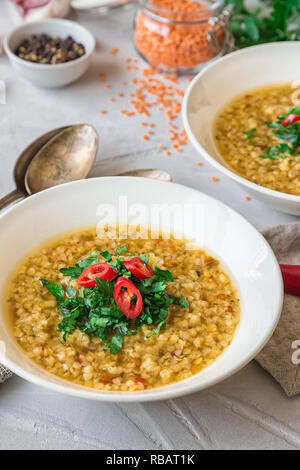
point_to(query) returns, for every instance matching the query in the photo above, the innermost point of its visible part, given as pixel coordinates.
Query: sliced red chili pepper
(291, 278)
(138, 268)
(128, 298)
(103, 270)
(290, 119)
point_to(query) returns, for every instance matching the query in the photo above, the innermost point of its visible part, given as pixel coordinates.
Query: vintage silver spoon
(62, 155)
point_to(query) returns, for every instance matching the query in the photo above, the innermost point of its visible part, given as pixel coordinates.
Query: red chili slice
(290, 119)
(103, 270)
(138, 268)
(128, 298)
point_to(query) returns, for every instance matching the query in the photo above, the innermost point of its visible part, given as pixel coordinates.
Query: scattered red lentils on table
(114, 51)
(152, 93)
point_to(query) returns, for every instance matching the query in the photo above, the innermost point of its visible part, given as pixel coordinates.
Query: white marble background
(247, 411)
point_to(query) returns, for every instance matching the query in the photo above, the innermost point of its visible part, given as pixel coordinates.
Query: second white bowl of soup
(243, 115)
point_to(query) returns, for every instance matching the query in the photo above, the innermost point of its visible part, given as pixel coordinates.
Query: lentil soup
(195, 331)
(258, 135)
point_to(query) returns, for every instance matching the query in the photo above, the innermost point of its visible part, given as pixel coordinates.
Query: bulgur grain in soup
(192, 338)
(257, 134)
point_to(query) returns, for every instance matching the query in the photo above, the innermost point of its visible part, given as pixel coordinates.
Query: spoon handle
(11, 197)
(151, 173)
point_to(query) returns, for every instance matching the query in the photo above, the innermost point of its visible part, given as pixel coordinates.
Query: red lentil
(114, 51)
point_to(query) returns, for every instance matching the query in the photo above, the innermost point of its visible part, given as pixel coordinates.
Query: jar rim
(212, 7)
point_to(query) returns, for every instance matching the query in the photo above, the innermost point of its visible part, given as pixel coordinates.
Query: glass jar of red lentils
(181, 35)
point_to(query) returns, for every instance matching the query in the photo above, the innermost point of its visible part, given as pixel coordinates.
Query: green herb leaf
(105, 287)
(121, 249)
(144, 258)
(182, 302)
(116, 342)
(75, 271)
(55, 289)
(164, 274)
(106, 255)
(157, 329)
(252, 28)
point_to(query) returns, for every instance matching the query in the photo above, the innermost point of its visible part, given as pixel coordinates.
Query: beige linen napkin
(4, 374)
(281, 356)
(278, 357)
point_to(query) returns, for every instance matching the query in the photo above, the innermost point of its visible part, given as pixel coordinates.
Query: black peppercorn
(43, 49)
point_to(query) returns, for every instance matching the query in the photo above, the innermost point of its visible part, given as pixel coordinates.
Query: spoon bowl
(68, 156)
(22, 164)
(28, 154)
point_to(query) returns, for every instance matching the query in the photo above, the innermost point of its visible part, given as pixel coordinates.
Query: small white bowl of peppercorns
(50, 53)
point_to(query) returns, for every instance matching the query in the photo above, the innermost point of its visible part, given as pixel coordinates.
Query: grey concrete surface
(247, 411)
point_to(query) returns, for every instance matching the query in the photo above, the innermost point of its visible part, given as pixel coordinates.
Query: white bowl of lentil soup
(242, 114)
(97, 313)
(50, 53)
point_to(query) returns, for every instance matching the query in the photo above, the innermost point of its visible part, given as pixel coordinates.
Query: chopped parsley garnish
(286, 131)
(94, 310)
(250, 134)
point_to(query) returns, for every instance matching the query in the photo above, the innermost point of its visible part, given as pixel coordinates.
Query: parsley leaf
(105, 287)
(106, 255)
(182, 302)
(157, 329)
(144, 258)
(73, 272)
(55, 289)
(121, 249)
(116, 342)
(163, 274)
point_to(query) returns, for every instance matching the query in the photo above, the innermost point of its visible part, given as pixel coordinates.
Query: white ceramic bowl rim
(160, 393)
(59, 21)
(194, 140)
